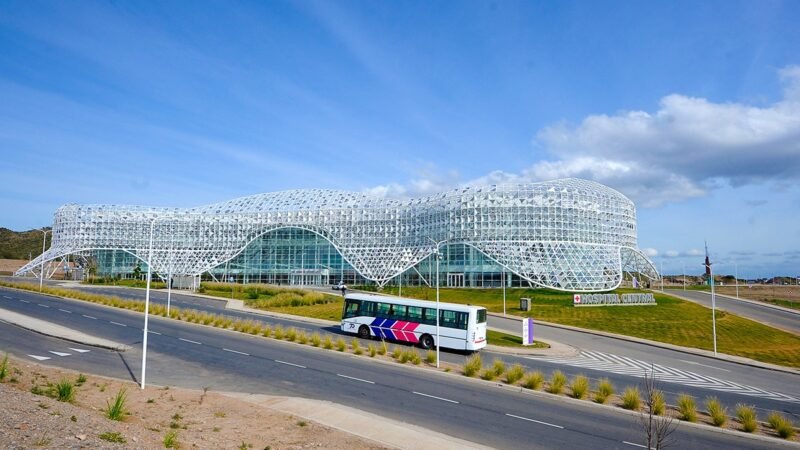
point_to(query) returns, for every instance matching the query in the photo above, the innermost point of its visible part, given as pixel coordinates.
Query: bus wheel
(363, 332)
(426, 341)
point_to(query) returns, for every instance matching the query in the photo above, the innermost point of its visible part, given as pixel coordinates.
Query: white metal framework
(568, 234)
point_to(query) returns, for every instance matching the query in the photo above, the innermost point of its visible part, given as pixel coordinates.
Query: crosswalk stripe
(623, 365)
(40, 358)
(79, 350)
(60, 353)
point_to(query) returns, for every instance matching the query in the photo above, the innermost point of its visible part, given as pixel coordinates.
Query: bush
(473, 365)
(414, 357)
(747, 417)
(383, 348)
(266, 330)
(533, 380)
(291, 334)
(327, 343)
(604, 390)
(514, 374)
(65, 391)
(499, 367)
(116, 410)
(356, 346)
(658, 403)
(112, 436)
(4, 368)
(302, 337)
(80, 380)
(171, 439)
(686, 408)
(397, 352)
(372, 350)
(278, 332)
(718, 413)
(781, 425)
(488, 374)
(579, 386)
(430, 357)
(632, 399)
(557, 382)
(341, 345)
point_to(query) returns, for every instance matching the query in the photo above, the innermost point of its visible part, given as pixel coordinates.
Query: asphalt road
(785, 320)
(193, 356)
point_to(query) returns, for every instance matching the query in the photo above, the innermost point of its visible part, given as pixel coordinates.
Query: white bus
(461, 327)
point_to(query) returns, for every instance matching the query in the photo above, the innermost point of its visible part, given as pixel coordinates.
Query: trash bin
(524, 304)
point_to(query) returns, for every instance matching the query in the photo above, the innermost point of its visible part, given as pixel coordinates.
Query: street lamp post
(713, 309)
(41, 272)
(147, 301)
(438, 256)
(503, 280)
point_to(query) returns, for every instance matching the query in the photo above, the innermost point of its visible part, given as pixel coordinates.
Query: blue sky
(691, 109)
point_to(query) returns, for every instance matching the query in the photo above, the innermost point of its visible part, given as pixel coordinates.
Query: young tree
(657, 428)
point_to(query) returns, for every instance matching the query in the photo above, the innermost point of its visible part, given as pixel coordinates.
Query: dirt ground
(764, 293)
(198, 419)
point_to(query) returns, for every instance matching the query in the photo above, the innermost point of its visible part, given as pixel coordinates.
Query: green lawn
(672, 321)
(509, 340)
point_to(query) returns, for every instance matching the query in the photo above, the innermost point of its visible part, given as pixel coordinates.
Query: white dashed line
(60, 353)
(89, 317)
(43, 306)
(190, 341)
(5, 296)
(236, 351)
(635, 445)
(153, 332)
(354, 378)
(704, 365)
(289, 364)
(117, 323)
(64, 310)
(535, 421)
(25, 301)
(433, 396)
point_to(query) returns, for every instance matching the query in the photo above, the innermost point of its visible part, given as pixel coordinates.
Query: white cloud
(671, 253)
(650, 252)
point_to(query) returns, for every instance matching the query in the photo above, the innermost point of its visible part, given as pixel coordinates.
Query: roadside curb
(688, 350)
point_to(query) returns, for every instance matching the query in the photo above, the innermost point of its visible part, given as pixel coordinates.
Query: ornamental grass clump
(781, 425)
(383, 348)
(372, 350)
(718, 413)
(687, 410)
(278, 332)
(116, 410)
(557, 382)
(414, 357)
(658, 403)
(488, 374)
(4, 368)
(316, 339)
(473, 365)
(327, 343)
(579, 387)
(65, 391)
(397, 352)
(266, 330)
(632, 399)
(302, 337)
(499, 367)
(747, 417)
(604, 390)
(356, 346)
(341, 345)
(430, 357)
(291, 334)
(533, 380)
(515, 373)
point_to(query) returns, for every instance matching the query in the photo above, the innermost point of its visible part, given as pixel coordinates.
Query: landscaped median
(578, 388)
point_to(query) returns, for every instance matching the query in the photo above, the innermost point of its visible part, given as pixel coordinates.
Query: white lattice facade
(566, 234)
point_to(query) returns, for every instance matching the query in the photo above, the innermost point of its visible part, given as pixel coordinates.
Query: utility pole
(710, 271)
(41, 273)
(147, 301)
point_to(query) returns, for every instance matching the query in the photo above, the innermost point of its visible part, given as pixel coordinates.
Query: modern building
(570, 234)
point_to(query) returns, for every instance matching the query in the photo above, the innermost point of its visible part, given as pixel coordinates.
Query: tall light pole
(147, 301)
(41, 273)
(713, 308)
(736, 276)
(438, 256)
(503, 280)
(662, 275)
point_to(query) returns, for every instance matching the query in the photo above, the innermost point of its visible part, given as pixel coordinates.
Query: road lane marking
(704, 365)
(635, 445)
(433, 396)
(354, 378)
(190, 341)
(40, 358)
(236, 351)
(43, 306)
(153, 332)
(289, 364)
(89, 317)
(64, 310)
(535, 421)
(25, 301)
(117, 323)
(60, 353)
(79, 350)
(5, 296)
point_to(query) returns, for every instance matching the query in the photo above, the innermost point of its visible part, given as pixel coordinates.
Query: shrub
(414, 357)
(579, 386)
(686, 408)
(266, 330)
(383, 348)
(488, 374)
(747, 417)
(354, 344)
(397, 352)
(341, 345)
(658, 403)
(781, 425)
(405, 356)
(327, 343)
(499, 367)
(81, 379)
(631, 399)
(112, 436)
(515, 373)
(4, 368)
(473, 365)
(430, 357)
(171, 439)
(533, 380)
(557, 382)
(718, 413)
(604, 390)
(65, 391)
(315, 339)
(302, 337)
(291, 334)
(116, 410)
(372, 350)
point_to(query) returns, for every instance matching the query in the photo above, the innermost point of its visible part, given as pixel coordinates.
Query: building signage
(612, 299)
(527, 331)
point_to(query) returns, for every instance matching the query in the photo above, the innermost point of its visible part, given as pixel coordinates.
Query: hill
(21, 244)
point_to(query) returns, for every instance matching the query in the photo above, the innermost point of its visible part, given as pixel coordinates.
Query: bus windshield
(481, 316)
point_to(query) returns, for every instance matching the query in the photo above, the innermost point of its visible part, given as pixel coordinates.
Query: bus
(461, 327)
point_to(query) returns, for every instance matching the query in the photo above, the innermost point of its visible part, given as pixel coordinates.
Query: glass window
(429, 316)
(481, 316)
(414, 314)
(384, 310)
(448, 319)
(398, 312)
(368, 308)
(351, 308)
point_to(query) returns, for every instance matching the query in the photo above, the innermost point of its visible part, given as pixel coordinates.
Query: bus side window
(448, 319)
(399, 312)
(414, 314)
(383, 310)
(429, 316)
(462, 320)
(367, 308)
(351, 310)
